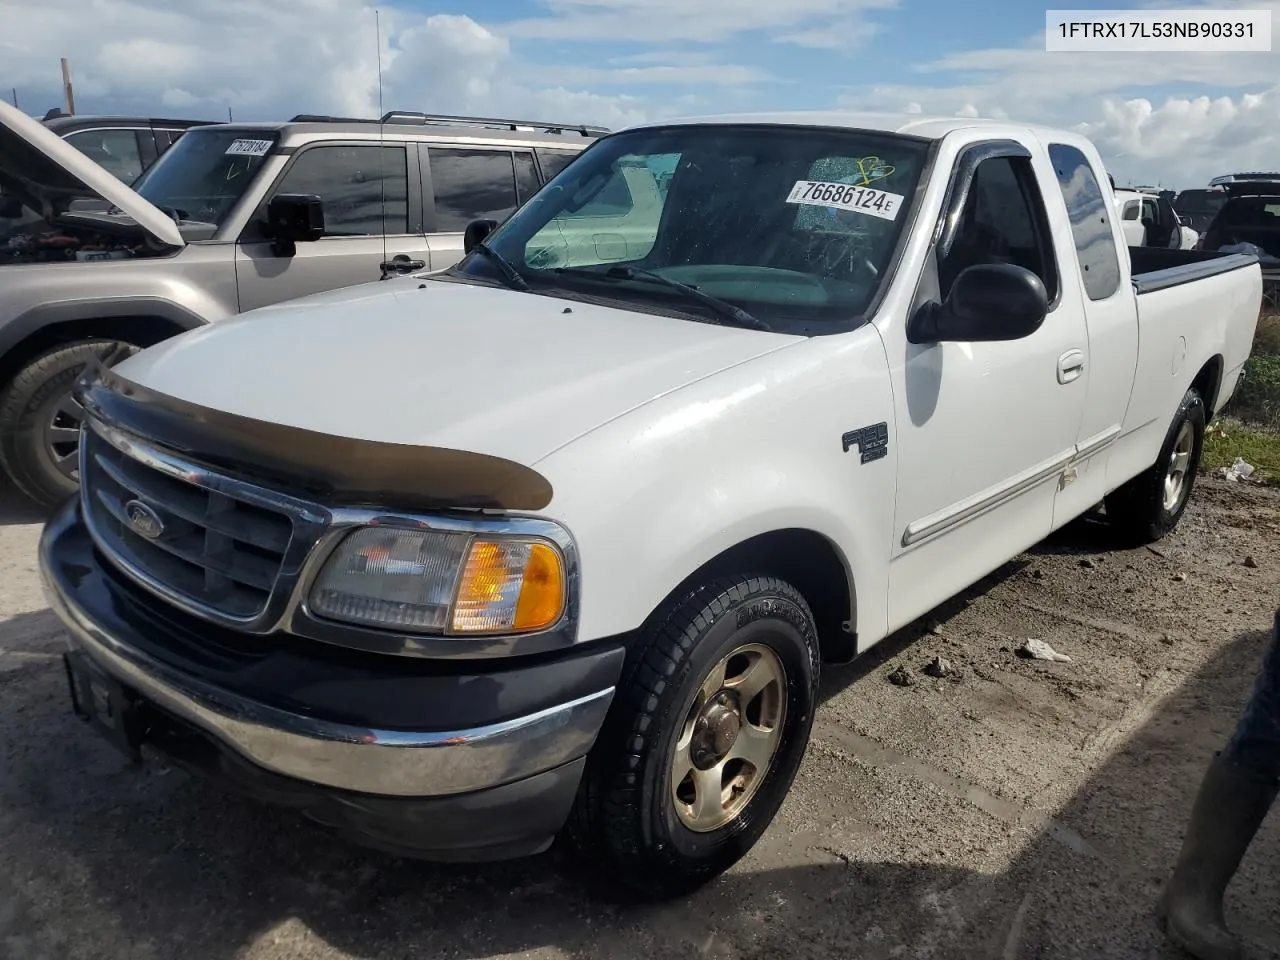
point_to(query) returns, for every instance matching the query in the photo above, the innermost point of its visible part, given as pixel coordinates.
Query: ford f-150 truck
(548, 544)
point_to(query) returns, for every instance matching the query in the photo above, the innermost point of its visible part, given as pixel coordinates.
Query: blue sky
(1180, 118)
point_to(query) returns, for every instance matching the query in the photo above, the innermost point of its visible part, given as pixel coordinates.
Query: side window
(1131, 210)
(116, 151)
(553, 161)
(1090, 225)
(526, 176)
(364, 189)
(1003, 222)
(471, 185)
(166, 139)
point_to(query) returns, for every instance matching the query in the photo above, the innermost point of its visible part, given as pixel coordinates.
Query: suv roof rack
(1251, 177)
(411, 116)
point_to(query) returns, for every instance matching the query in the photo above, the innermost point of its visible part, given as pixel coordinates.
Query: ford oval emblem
(143, 520)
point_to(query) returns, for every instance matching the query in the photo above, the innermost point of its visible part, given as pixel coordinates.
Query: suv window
(364, 189)
(553, 161)
(1090, 225)
(471, 185)
(527, 182)
(116, 151)
(1003, 222)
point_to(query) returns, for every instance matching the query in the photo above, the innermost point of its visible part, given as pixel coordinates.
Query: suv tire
(40, 419)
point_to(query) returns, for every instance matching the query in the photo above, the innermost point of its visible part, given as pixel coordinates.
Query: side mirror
(995, 301)
(477, 231)
(294, 218)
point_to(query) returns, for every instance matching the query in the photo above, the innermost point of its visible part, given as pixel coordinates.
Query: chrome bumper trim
(385, 762)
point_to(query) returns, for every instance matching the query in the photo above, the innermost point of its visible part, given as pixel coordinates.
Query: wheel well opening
(1207, 383)
(144, 331)
(810, 563)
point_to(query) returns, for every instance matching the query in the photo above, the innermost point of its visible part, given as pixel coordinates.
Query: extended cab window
(1090, 225)
(797, 229)
(471, 185)
(364, 189)
(1003, 222)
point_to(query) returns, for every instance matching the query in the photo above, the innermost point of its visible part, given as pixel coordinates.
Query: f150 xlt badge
(143, 520)
(872, 442)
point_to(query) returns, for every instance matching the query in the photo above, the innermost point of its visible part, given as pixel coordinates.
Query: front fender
(656, 494)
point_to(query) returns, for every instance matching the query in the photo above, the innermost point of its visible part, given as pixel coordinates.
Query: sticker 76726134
(847, 196)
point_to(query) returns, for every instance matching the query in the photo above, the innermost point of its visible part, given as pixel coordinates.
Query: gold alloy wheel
(729, 738)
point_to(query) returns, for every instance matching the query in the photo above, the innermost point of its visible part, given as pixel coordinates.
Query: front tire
(705, 737)
(40, 419)
(1149, 506)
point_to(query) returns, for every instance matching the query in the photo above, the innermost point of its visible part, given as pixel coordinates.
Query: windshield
(1199, 201)
(795, 225)
(203, 175)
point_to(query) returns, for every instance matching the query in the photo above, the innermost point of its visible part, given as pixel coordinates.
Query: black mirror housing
(295, 218)
(988, 302)
(477, 231)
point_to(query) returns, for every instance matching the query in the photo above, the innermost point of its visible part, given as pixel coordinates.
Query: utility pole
(66, 86)
(15, 98)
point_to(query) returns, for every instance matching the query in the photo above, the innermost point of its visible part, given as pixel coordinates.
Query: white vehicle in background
(1148, 219)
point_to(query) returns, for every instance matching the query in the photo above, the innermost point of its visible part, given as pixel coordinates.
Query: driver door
(984, 429)
(371, 213)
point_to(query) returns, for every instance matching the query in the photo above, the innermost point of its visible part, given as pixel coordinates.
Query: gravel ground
(1015, 808)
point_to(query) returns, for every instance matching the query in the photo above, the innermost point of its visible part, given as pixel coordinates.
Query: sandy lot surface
(1018, 809)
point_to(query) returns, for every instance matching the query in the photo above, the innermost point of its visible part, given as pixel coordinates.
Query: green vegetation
(1250, 425)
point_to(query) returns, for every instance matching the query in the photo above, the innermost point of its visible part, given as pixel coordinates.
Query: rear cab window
(1095, 244)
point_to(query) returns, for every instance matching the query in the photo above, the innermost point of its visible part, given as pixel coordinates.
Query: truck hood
(48, 173)
(441, 364)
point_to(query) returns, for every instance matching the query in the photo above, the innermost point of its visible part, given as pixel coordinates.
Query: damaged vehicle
(556, 542)
(231, 217)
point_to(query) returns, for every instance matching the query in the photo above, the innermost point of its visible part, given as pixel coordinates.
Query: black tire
(1139, 510)
(36, 403)
(626, 813)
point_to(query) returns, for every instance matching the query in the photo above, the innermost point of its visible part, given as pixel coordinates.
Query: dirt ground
(1019, 809)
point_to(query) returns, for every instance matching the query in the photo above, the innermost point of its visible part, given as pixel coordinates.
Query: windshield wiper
(509, 273)
(722, 307)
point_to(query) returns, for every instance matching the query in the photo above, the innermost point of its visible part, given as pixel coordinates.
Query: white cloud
(271, 60)
(831, 24)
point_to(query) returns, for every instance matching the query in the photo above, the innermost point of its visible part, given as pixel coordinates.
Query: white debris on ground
(1039, 650)
(1240, 470)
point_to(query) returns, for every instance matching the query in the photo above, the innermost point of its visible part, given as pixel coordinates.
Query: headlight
(431, 581)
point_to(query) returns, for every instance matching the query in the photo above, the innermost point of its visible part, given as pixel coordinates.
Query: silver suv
(232, 217)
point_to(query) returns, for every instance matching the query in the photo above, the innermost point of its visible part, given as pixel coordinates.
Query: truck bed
(1158, 268)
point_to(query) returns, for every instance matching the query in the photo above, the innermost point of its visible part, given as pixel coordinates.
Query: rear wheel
(1150, 505)
(40, 419)
(708, 729)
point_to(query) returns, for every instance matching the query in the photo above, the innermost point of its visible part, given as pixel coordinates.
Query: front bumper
(491, 790)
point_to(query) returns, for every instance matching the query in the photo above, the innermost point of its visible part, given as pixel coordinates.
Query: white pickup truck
(458, 563)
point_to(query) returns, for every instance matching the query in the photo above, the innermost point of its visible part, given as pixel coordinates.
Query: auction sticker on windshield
(845, 196)
(248, 148)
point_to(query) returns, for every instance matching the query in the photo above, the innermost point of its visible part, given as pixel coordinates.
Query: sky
(1173, 119)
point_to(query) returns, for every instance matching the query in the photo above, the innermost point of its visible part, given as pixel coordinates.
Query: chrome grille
(215, 548)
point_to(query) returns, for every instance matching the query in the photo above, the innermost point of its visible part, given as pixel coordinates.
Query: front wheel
(707, 732)
(40, 419)
(1150, 505)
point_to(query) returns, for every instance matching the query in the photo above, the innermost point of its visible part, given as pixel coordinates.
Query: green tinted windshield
(204, 174)
(797, 225)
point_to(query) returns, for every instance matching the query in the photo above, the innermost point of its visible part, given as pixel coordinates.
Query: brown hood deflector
(338, 470)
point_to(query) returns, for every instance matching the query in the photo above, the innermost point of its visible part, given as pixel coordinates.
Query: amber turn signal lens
(509, 586)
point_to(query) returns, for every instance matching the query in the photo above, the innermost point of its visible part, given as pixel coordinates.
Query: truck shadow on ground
(16, 508)
(105, 861)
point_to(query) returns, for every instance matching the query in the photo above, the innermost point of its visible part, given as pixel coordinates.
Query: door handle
(401, 263)
(1070, 366)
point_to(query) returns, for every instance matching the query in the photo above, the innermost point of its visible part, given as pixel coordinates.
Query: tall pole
(15, 97)
(66, 86)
